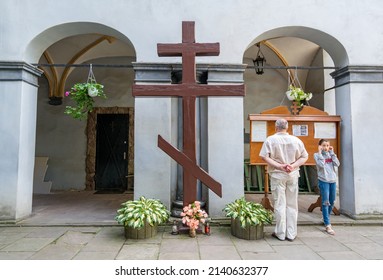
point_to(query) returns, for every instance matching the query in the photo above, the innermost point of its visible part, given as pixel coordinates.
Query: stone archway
(91, 144)
(271, 86)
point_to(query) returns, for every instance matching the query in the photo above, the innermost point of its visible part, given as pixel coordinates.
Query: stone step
(39, 185)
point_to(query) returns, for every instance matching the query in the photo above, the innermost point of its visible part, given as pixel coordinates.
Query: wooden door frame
(91, 132)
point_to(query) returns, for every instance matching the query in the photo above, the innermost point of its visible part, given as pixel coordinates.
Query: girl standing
(326, 161)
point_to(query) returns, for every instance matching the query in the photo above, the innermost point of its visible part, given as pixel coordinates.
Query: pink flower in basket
(193, 215)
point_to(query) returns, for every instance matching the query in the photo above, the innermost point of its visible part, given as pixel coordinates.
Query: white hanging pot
(289, 97)
(92, 91)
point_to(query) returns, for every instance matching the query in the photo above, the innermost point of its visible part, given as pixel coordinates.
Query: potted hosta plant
(83, 94)
(298, 95)
(141, 217)
(248, 218)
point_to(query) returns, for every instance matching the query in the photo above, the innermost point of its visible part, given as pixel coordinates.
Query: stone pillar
(18, 105)
(358, 101)
(225, 138)
(154, 170)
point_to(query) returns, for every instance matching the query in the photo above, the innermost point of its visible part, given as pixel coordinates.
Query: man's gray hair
(281, 124)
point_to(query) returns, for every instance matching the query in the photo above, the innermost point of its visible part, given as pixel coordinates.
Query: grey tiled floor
(108, 243)
(80, 226)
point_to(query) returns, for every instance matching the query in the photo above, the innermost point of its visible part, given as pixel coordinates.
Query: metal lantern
(259, 62)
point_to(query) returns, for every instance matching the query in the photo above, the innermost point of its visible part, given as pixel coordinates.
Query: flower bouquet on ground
(193, 216)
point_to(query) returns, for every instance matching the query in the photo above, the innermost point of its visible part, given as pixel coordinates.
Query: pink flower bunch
(193, 215)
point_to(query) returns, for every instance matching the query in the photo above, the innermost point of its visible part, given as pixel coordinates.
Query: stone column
(358, 101)
(225, 138)
(154, 171)
(18, 105)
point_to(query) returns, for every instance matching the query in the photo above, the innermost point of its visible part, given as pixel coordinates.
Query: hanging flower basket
(297, 94)
(83, 94)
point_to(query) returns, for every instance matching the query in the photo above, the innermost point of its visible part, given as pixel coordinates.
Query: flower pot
(92, 91)
(248, 233)
(147, 231)
(289, 97)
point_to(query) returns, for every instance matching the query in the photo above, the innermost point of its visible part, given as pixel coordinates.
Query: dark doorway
(112, 153)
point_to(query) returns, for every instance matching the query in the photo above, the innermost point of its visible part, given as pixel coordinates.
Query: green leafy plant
(83, 94)
(248, 213)
(134, 213)
(297, 94)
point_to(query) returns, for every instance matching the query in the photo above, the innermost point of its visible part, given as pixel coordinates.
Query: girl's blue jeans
(328, 194)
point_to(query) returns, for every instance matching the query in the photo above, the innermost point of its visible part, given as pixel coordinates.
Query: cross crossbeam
(188, 90)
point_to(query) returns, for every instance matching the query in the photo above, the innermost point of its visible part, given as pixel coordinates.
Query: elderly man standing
(284, 154)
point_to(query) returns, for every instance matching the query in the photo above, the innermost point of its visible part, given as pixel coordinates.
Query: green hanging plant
(83, 94)
(298, 95)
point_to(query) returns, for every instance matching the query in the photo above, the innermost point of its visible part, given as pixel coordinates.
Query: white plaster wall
(225, 150)
(148, 22)
(367, 147)
(26, 150)
(152, 118)
(17, 142)
(10, 99)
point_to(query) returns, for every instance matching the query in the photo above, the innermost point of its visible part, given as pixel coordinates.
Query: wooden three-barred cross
(188, 90)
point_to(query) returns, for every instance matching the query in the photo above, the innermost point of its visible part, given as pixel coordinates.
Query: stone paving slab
(252, 246)
(179, 256)
(16, 255)
(95, 256)
(28, 244)
(370, 251)
(81, 226)
(58, 252)
(219, 252)
(102, 243)
(139, 252)
(347, 255)
(179, 245)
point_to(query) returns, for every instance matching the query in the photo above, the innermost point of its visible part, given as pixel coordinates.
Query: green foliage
(84, 102)
(248, 212)
(297, 94)
(135, 213)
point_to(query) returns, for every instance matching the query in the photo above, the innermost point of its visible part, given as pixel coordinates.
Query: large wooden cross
(188, 90)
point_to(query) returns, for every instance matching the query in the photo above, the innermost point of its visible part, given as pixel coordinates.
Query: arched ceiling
(76, 50)
(286, 51)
